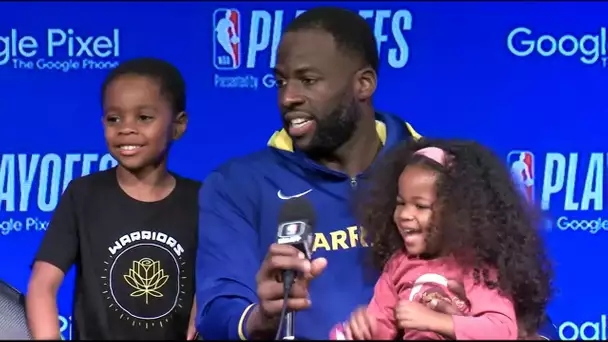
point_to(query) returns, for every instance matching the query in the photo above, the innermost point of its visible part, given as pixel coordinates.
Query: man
(326, 75)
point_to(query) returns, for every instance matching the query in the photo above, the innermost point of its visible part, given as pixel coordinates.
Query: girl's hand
(360, 326)
(459, 301)
(414, 315)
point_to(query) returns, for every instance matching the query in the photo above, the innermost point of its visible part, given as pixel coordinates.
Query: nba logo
(293, 228)
(226, 39)
(521, 164)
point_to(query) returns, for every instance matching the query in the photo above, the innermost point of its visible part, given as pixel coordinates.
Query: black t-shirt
(134, 260)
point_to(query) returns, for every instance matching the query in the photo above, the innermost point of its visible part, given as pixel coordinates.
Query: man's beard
(334, 130)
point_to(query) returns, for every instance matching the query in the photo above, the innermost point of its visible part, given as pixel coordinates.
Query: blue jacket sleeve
(548, 330)
(228, 256)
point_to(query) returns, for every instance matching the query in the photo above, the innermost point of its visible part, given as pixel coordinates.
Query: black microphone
(296, 222)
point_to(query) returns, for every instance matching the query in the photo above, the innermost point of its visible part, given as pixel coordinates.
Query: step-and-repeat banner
(528, 79)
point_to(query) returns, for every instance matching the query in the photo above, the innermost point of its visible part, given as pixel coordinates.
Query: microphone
(296, 222)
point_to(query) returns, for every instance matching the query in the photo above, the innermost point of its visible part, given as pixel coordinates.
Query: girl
(447, 211)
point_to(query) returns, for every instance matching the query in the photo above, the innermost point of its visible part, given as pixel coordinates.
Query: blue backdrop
(525, 77)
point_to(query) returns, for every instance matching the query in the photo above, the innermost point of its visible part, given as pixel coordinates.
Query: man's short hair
(351, 32)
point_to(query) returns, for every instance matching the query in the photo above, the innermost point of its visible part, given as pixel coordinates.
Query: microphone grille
(297, 209)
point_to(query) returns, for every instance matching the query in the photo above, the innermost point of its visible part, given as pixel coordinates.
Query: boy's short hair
(172, 84)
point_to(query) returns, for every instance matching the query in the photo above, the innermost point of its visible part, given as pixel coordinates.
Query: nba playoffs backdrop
(528, 79)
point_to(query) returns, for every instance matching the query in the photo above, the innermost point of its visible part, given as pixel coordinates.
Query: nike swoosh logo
(283, 197)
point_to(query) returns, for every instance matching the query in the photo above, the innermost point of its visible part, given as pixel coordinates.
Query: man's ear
(180, 123)
(365, 84)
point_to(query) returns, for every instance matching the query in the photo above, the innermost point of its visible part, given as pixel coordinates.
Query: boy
(131, 230)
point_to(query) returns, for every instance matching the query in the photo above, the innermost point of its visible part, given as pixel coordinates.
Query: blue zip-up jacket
(239, 208)
(548, 330)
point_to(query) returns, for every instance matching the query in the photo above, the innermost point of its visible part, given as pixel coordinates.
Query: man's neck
(357, 154)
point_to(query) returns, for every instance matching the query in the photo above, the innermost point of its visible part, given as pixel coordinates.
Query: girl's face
(414, 209)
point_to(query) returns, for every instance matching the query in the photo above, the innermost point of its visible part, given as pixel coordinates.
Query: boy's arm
(192, 334)
(41, 301)
(55, 256)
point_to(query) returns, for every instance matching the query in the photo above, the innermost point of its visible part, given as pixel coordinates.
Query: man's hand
(269, 279)
(414, 315)
(360, 326)
(264, 318)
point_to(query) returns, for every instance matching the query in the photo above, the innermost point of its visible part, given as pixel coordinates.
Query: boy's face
(138, 121)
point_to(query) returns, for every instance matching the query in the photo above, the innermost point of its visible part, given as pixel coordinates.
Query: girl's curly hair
(482, 212)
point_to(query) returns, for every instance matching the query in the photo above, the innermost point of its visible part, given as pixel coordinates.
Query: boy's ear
(179, 125)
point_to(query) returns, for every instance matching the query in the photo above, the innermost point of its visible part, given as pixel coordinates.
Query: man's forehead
(311, 36)
(313, 47)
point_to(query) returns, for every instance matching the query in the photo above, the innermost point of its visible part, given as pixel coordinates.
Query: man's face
(316, 91)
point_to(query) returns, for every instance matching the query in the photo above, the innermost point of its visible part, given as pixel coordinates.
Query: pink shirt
(491, 315)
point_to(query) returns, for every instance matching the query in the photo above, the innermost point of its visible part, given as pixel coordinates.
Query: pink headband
(434, 153)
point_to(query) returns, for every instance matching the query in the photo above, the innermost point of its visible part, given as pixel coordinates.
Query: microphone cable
(288, 280)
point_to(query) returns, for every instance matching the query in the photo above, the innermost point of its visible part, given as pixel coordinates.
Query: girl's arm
(492, 316)
(382, 307)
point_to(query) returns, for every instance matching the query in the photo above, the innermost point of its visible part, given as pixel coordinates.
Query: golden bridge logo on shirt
(144, 278)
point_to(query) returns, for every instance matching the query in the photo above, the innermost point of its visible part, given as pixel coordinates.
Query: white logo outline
(425, 279)
(283, 197)
(111, 284)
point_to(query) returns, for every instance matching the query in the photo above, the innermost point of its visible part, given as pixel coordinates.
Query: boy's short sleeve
(60, 244)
